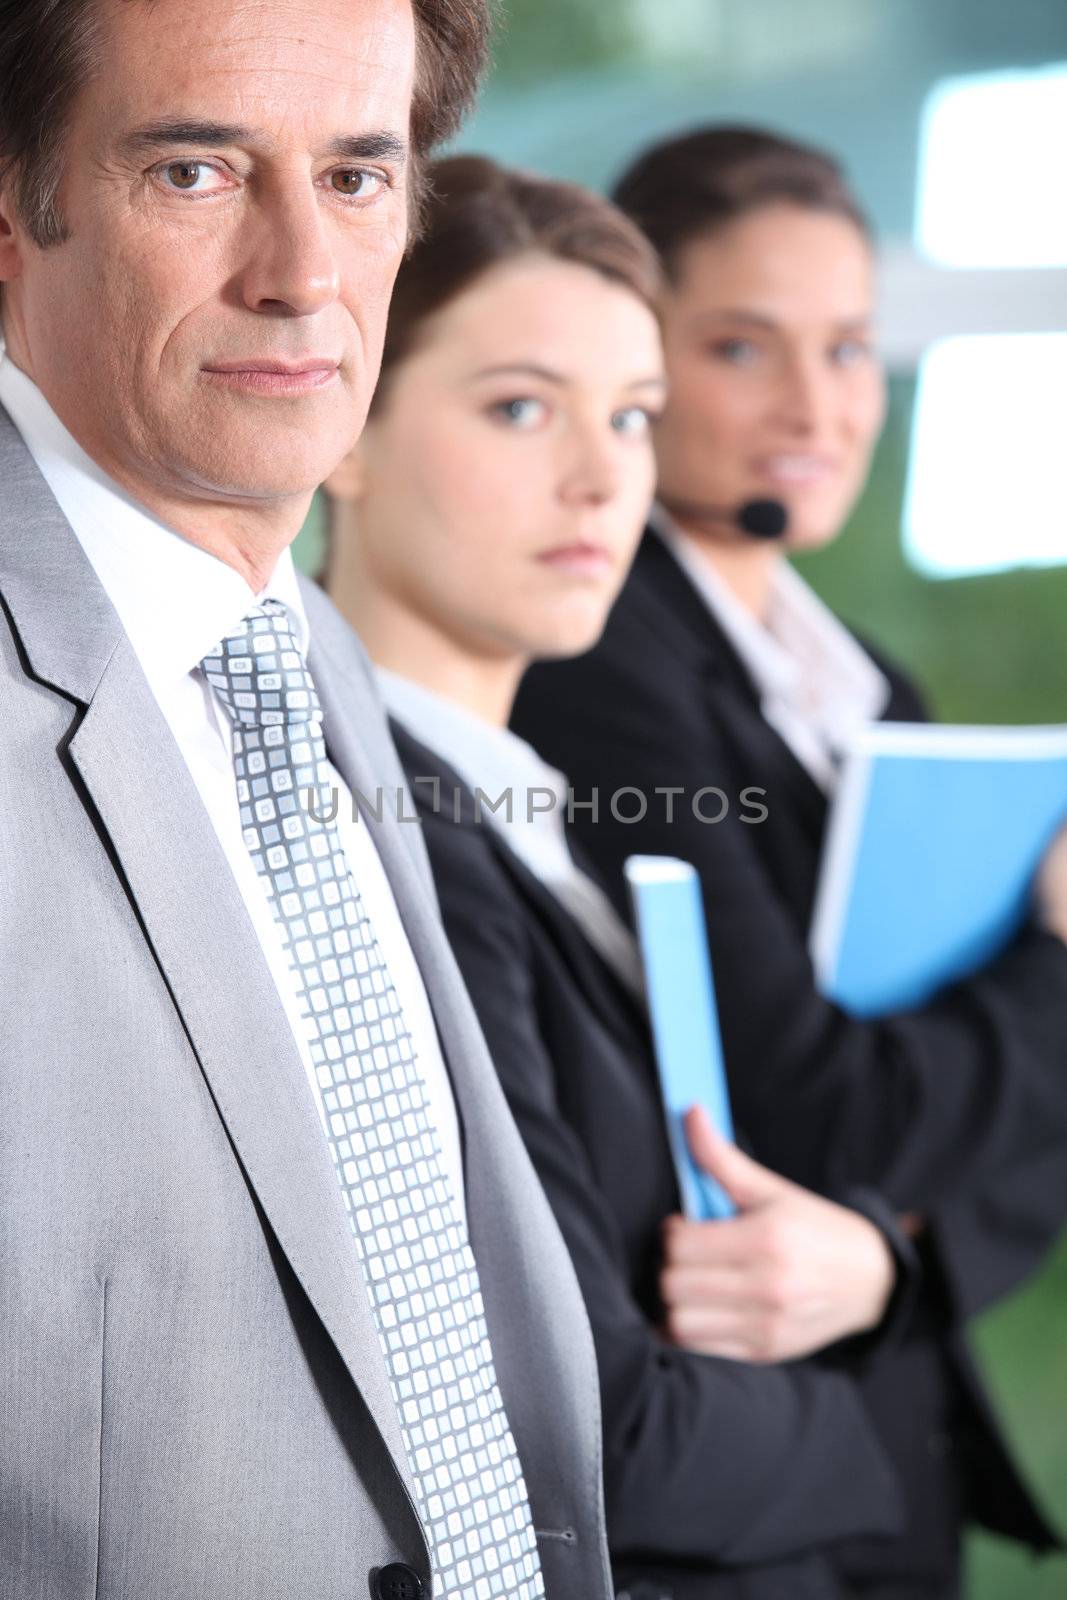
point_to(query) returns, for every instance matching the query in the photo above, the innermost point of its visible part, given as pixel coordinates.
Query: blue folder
(669, 914)
(932, 844)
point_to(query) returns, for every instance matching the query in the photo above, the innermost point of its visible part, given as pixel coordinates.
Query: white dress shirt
(175, 602)
(498, 762)
(817, 685)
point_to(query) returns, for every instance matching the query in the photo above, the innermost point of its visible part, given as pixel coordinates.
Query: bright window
(991, 172)
(986, 482)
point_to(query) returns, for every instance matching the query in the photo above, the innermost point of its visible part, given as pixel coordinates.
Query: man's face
(236, 194)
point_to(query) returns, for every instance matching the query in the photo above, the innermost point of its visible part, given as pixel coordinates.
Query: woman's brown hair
(691, 186)
(478, 215)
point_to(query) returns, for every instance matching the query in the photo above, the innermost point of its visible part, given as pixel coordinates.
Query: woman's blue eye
(633, 420)
(521, 413)
(850, 352)
(738, 352)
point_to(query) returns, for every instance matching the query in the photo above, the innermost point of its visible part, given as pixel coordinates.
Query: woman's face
(504, 480)
(775, 389)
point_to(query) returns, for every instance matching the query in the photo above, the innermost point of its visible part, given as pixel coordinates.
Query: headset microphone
(763, 519)
(760, 519)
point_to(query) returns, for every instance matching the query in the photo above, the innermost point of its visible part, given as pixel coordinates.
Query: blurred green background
(577, 87)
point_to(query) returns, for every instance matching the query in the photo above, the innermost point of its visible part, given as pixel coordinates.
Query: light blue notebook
(933, 839)
(669, 914)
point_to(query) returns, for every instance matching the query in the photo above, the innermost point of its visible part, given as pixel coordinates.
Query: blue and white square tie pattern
(412, 1242)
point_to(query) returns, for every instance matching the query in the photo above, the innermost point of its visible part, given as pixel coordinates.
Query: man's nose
(290, 267)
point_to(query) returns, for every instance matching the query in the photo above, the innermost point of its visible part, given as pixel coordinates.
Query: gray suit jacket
(193, 1403)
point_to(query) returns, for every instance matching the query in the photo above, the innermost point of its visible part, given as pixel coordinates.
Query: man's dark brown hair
(690, 187)
(478, 215)
(48, 48)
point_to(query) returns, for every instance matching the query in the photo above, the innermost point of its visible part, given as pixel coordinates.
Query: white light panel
(986, 481)
(991, 170)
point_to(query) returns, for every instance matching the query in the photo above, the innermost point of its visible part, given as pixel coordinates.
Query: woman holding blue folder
(489, 515)
(720, 672)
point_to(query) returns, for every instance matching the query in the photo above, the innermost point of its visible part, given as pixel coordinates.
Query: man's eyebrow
(169, 132)
(174, 131)
(370, 147)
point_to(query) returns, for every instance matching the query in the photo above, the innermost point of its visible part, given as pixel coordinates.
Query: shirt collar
(485, 757)
(768, 662)
(802, 645)
(174, 600)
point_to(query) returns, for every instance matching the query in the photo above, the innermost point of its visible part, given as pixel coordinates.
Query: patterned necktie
(411, 1237)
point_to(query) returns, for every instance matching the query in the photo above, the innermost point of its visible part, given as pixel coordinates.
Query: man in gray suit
(283, 1312)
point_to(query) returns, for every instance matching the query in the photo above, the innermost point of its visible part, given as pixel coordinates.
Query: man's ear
(348, 479)
(10, 231)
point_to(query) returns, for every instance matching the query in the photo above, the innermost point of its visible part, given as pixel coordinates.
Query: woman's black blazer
(723, 1481)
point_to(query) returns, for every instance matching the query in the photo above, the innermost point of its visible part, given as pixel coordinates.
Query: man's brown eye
(348, 182)
(183, 174)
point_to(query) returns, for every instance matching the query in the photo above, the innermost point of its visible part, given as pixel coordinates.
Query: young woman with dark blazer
(489, 515)
(719, 670)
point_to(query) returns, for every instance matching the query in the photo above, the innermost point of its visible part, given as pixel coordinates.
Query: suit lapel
(606, 995)
(703, 650)
(767, 761)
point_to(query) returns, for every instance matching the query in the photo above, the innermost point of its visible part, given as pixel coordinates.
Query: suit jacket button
(398, 1582)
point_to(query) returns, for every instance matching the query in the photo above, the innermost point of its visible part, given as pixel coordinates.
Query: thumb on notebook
(1050, 887)
(745, 1181)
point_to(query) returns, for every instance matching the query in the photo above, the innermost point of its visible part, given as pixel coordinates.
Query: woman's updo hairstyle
(692, 186)
(478, 215)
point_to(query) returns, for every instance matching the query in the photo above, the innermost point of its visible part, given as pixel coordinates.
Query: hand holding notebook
(758, 1269)
(790, 1274)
